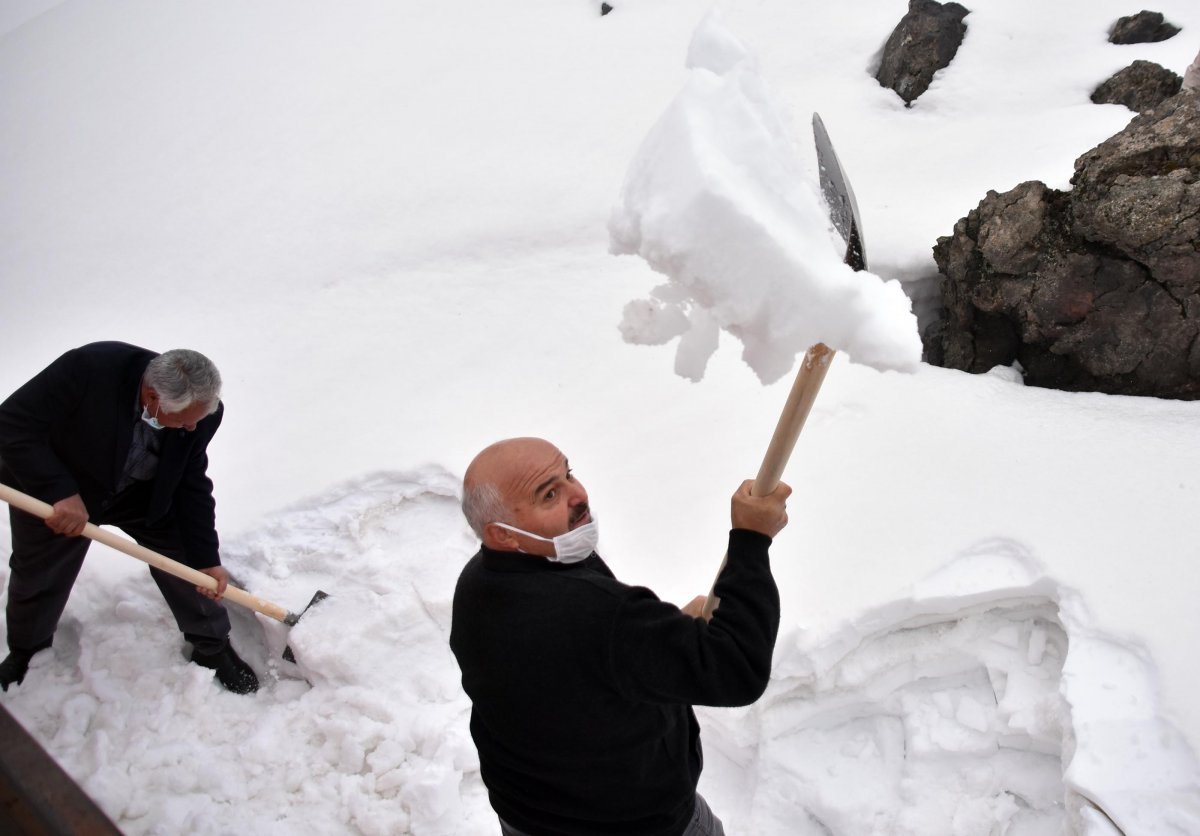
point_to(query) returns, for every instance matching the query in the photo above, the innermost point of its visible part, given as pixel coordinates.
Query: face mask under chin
(151, 420)
(571, 547)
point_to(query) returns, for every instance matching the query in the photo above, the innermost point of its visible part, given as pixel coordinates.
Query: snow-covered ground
(387, 223)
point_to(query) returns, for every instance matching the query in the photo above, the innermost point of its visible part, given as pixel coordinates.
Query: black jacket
(68, 431)
(582, 686)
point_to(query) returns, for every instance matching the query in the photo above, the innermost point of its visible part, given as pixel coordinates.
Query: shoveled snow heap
(981, 700)
(718, 199)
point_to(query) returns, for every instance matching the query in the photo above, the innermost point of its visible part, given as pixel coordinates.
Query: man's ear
(498, 537)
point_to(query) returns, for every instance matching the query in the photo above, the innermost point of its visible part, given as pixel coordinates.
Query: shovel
(38, 508)
(843, 211)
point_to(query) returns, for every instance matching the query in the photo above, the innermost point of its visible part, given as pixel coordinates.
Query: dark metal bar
(37, 798)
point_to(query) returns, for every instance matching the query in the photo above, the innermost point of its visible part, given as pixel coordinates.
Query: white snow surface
(388, 224)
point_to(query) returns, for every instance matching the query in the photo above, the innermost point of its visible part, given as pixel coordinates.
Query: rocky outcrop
(1139, 192)
(1093, 289)
(1140, 86)
(925, 41)
(1142, 28)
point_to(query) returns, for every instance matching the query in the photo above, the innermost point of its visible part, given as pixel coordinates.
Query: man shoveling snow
(115, 434)
(582, 686)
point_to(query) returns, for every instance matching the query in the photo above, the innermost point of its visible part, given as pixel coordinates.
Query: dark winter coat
(68, 431)
(582, 686)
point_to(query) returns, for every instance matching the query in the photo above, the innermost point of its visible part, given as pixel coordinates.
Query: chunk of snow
(718, 199)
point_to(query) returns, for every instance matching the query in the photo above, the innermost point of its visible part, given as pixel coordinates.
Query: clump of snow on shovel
(718, 199)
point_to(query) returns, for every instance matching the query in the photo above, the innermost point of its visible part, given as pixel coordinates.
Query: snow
(718, 200)
(388, 224)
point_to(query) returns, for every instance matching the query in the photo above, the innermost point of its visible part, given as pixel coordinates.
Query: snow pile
(367, 734)
(978, 702)
(956, 709)
(385, 719)
(718, 199)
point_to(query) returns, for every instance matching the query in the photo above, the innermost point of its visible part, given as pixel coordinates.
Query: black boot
(233, 673)
(14, 667)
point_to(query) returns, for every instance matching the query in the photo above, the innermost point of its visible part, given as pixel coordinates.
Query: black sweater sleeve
(658, 654)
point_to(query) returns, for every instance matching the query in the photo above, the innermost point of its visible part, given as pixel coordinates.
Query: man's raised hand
(764, 514)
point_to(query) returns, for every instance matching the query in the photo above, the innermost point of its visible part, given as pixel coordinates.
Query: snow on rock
(718, 199)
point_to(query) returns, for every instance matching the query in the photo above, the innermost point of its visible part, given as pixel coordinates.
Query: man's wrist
(749, 538)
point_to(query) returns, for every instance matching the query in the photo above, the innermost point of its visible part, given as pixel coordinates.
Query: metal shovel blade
(843, 208)
(292, 618)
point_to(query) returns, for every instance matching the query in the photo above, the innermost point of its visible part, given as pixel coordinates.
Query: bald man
(581, 686)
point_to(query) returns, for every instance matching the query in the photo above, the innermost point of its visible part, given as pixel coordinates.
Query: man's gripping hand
(764, 514)
(69, 516)
(695, 607)
(221, 576)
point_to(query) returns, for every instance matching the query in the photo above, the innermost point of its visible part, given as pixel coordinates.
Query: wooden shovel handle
(29, 505)
(809, 378)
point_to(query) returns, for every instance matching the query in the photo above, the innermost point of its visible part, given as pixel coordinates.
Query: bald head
(490, 473)
(499, 463)
(525, 482)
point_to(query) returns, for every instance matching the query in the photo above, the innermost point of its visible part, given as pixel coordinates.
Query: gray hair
(182, 377)
(482, 504)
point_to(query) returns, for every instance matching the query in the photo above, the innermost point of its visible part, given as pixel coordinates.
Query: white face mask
(572, 547)
(151, 420)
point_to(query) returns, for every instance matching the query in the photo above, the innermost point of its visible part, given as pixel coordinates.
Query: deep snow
(387, 223)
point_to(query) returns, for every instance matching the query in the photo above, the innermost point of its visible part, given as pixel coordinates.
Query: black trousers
(44, 567)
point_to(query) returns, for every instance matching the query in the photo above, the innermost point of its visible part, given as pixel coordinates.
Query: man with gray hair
(113, 434)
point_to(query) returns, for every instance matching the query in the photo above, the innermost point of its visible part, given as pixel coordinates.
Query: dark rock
(1094, 289)
(1139, 192)
(605, 9)
(1140, 86)
(1142, 28)
(925, 41)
